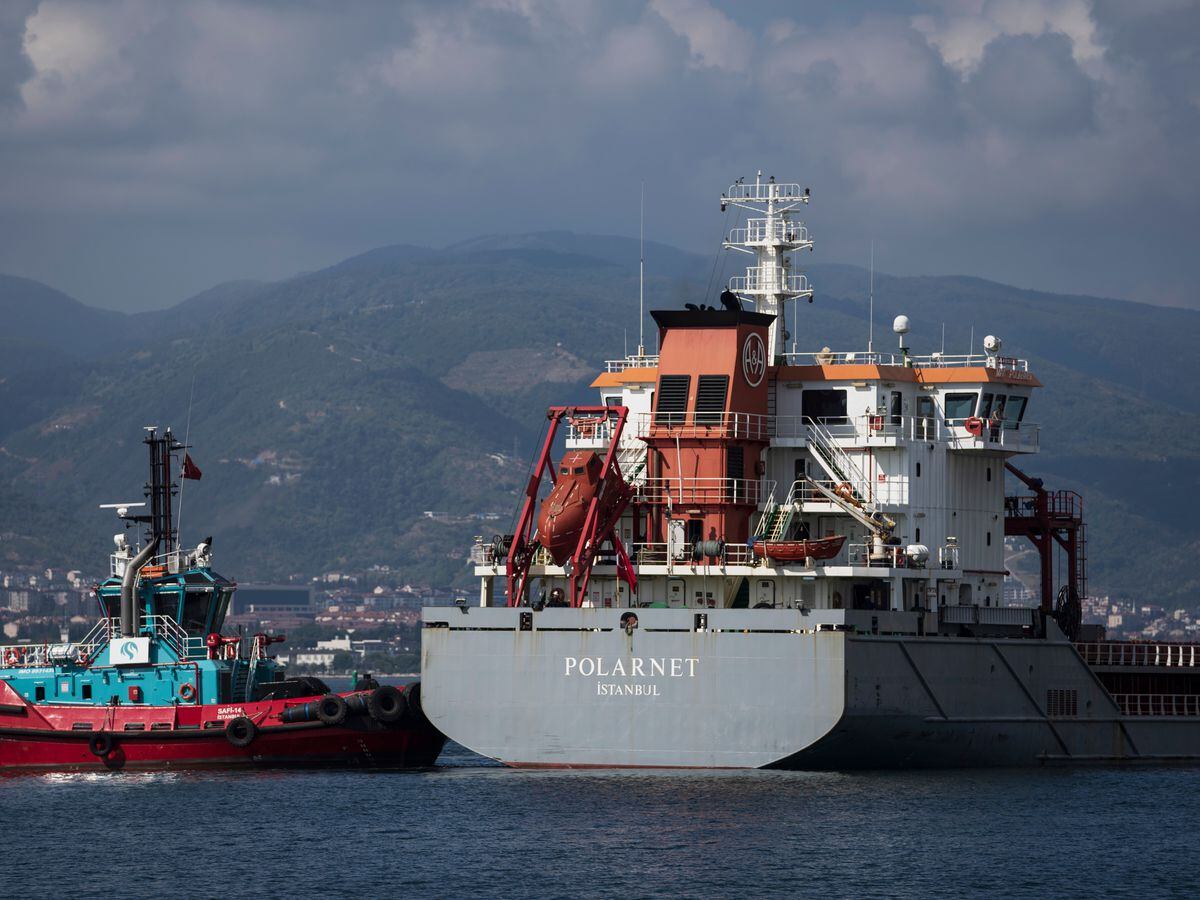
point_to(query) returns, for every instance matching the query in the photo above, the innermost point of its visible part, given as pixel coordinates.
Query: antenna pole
(871, 304)
(642, 275)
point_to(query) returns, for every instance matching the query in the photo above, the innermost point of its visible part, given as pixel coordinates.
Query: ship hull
(47, 737)
(770, 689)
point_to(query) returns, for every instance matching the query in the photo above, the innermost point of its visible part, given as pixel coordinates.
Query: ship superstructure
(790, 558)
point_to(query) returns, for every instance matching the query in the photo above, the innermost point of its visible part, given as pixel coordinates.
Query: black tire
(101, 744)
(414, 714)
(357, 704)
(387, 705)
(331, 709)
(240, 732)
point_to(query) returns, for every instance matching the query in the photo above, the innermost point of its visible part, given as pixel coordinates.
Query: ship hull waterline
(73, 737)
(769, 689)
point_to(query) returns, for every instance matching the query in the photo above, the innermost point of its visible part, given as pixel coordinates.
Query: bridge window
(1014, 410)
(960, 406)
(824, 405)
(196, 607)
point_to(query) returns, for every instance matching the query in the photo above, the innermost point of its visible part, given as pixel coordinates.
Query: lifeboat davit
(564, 512)
(794, 551)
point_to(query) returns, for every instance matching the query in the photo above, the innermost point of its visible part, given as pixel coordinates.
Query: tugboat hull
(74, 738)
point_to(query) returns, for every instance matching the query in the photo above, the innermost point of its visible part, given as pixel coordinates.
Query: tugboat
(155, 684)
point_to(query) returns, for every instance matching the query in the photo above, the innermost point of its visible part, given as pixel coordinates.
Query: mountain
(332, 410)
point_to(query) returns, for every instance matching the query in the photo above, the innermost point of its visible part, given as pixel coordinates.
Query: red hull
(49, 738)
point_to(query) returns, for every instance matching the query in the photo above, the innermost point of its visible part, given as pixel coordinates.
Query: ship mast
(771, 235)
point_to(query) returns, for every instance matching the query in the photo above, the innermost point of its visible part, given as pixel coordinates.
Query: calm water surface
(470, 828)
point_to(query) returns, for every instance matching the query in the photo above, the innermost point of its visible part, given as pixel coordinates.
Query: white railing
(769, 280)
(85, 650)
(749, 426)
(762, 191)
(769, 231)
(659, 554)
(1122, 653)
(163, 564)
(1158, 704)
(921, 361)
(871, 429)
(894, 491)
(631, 362)
(597, 432)
(704, 491)
(1016, 436)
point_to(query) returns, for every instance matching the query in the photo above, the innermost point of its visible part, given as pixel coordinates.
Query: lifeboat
(564, 512)
(795, 551)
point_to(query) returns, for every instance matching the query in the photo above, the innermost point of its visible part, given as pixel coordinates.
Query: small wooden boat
(795, 551)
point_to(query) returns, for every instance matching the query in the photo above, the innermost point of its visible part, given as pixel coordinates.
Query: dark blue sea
(469, 828)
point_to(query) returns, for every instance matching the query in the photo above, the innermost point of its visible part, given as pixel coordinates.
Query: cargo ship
(156, 684)
(753, 555)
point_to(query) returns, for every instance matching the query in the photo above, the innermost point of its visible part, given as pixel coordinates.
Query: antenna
(943, 339)
(871, 304)
(642, 274)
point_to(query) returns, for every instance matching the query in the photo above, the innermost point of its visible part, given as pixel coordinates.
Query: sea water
(471, 828)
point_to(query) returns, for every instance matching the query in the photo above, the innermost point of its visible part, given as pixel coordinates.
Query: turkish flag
(190, 469)
(624, 566)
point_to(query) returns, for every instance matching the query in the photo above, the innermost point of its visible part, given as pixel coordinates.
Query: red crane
(612, 494)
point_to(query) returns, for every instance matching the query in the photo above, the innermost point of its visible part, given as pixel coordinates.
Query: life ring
(101, 744)
(11, 658)
(386, 704)
(240, 732)
(187, 692)
(845, 491)
(974, 425)
(332, 709)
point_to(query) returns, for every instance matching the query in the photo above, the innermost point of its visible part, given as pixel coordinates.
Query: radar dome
(900, 325)
(991, 344)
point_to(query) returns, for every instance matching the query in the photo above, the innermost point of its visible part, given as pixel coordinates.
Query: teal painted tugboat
(155, 684)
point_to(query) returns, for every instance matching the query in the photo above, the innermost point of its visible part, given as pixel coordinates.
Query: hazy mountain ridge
(333, 408)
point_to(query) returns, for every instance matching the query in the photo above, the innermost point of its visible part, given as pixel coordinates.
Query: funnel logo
(130, 652)
(754, 359)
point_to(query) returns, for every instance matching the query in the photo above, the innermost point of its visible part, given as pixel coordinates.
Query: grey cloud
(15, 67)
(165, 147)
(1033, 85)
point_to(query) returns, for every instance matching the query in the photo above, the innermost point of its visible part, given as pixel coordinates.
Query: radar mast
(771, 235)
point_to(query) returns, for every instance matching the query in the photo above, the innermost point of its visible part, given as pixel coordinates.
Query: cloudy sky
(149, 150)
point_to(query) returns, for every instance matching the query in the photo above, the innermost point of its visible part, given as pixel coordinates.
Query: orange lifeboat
(564, 512)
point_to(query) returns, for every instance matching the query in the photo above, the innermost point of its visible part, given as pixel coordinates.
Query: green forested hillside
(331, 410)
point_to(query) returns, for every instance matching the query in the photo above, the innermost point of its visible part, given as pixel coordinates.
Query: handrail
(631, 362)
(766, 279)
(919, 361)
(704, 490)
(872, 427)
(1128, 653)
(1158, 704)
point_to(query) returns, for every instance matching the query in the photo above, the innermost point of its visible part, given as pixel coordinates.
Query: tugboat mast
(161, 490)
(770, 235)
